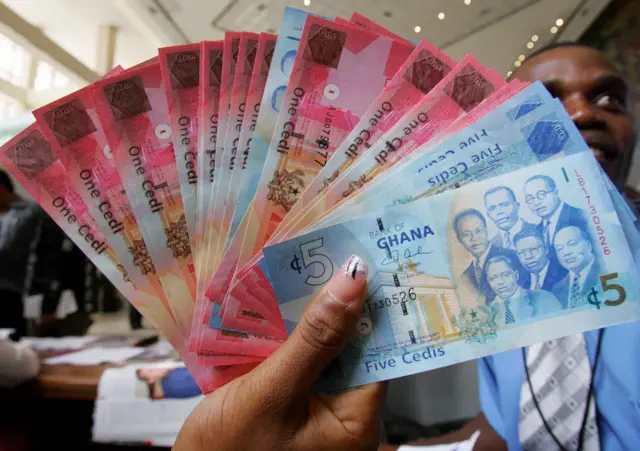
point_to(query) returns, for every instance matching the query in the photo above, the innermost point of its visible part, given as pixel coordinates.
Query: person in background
(604, 393)
(169, 383)
(20, 228)
(18, 363)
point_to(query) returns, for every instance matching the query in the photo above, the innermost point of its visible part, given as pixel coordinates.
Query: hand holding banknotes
(274, 407)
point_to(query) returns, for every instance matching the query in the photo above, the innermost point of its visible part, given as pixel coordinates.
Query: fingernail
(347, 284)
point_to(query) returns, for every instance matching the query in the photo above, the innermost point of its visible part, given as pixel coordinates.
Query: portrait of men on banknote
(542, 198)
(534, 256)
(574, 249)
(503, 209)
(512, 302)
(471, 229)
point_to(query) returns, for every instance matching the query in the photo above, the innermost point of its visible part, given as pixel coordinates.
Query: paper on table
(95, 356)
(466, 445)
(57, 343)
(124, 411)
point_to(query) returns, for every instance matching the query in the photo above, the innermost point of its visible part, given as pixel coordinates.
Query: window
(9, 108)
(47, 77)
(13, 62)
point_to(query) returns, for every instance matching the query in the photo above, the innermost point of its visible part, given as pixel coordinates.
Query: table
(68, 382)
(54, 411)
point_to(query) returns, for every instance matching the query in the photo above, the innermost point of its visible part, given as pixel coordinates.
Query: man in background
(606, 362)
(20, 228)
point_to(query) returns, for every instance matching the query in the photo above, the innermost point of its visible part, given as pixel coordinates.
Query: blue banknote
(447, 284)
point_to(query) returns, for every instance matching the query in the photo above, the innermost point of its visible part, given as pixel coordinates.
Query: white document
(125, 413)
(4, 333)
(95, 356)
(466, 445)
(57, 343)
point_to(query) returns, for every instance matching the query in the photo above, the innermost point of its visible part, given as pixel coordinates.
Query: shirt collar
(520, 293)
(483, 257)
(553, 220)
(583, 273)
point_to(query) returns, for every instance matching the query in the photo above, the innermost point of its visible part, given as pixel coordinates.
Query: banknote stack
(220, 185)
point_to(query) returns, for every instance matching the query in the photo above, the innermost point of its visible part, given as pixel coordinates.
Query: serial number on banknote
(397, 298)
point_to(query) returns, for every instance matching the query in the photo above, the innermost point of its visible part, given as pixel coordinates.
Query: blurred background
(49, 48)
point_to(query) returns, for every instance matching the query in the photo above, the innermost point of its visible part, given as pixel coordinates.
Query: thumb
(323, 331)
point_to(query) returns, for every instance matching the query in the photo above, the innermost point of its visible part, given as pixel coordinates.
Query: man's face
(532, 253)
(574, 252)
(597, 100)
(502, 208)
(502, 279)
(541, 199)
(473, 235)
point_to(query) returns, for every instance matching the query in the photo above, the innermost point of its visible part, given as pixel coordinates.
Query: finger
(358, 405)
(323, 331)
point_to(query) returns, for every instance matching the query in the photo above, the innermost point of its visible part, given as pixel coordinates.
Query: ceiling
(495, 31)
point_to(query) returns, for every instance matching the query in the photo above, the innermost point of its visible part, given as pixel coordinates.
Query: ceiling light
(509, 73)
(530, 45)
(554, 30)
(467, 2)
(517, 64)
(441, 16)
(307, 2)
(559, 22)
(534, 38)
(521, 57)
(417, 29)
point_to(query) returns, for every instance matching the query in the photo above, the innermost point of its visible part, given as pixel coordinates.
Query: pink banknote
(33, 163)
(245, 64)
(211, 53)
(71, 125)
(463, 89)
(223, 174)
(419, 75)
(328, 92)
(180, 69)
(132, 110)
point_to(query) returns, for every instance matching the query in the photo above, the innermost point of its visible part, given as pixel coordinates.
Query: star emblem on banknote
(476, 324)
(285, 188)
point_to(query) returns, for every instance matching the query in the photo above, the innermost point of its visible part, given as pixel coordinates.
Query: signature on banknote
(394, 257)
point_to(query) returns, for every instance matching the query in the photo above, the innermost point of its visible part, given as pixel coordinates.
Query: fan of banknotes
(220, 185)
